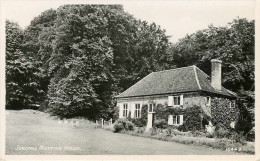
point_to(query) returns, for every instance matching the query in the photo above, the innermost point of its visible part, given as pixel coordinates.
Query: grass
(187, 138)
(31, 132)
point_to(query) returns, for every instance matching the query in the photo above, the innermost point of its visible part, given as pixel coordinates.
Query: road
(30, 133)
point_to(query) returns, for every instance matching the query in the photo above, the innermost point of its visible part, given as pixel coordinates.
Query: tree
(22, 76)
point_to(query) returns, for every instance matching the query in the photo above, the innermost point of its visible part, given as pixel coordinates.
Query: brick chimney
(216, 74)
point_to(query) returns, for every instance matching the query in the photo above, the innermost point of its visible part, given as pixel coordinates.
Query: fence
(102, 123)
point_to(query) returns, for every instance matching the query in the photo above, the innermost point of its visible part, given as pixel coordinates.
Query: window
(137, 111)
(232, 104)
(125, 110)
(175, 119)
(208, 100)
(151, 107)
(176, 100)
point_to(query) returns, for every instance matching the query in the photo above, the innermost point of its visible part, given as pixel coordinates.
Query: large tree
(22, 74)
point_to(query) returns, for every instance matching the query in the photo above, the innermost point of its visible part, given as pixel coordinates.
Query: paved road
(36, 133)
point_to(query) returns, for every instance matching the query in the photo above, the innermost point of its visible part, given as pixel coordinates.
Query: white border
(121, 157)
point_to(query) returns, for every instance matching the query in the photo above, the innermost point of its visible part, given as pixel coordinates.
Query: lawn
(31, 132)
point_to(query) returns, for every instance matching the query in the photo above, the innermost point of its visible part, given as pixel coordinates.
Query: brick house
(176, 87)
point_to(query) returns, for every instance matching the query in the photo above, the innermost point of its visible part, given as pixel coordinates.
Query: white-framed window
(175, 100)
(175, 119)
(125, 108)
(208, 100)
(232, 104)
(137, 110)
(151, 107)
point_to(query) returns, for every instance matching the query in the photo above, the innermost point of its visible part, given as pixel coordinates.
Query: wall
(189, 99)
(222, 113)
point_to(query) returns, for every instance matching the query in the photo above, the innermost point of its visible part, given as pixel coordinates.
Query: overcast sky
(178, 18)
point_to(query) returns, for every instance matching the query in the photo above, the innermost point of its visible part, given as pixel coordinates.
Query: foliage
(75, 59)
(22, 73)
(245, 121)
(123, 125)
(222, 133)
(222, 114)
(162, 124)
(233, 44)
(142, 121)
(192, 115)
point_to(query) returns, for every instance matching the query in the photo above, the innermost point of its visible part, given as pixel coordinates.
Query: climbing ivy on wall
(222, 114)
(192, 115)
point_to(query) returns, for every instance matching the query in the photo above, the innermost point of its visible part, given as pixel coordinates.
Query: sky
(178, 18)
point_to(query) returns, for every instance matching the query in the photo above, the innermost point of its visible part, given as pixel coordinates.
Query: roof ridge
(196, 76)
(173, 69)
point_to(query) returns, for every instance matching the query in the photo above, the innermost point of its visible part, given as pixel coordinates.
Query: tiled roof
(180, 80)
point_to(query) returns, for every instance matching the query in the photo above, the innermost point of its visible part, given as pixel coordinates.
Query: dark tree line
(73, 61)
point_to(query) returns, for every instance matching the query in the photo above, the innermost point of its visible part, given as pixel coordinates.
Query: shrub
(138, 122)
(221, 133)
(181, 128)
(129, 125)
(118, 127)
(140, 130)
(162, 124)
(250, 136)
(123, 125)
(154, 131)
(238, 137)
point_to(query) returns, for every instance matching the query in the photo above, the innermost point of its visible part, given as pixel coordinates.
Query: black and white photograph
(128, 78)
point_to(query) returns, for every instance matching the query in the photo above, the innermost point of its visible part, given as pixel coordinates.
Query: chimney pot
(216, 74)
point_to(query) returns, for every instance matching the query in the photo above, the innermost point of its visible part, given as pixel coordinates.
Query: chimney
(216, 74)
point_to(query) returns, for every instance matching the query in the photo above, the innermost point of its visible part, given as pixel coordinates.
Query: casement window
(137, 111)
(208, 101)
(151, 107)
(232, 104)
(125, 108)
(175, 100)
(175, 119)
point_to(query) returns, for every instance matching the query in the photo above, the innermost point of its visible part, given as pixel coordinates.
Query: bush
(222, 133)
(162, 124)
(154, 131)
(181, 128)
(138, 122)
(123, 125)
(129, 126)
(238, 137)
(118, 127)
(140, 130)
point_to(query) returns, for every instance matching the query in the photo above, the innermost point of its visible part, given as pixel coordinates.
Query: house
(176, 87)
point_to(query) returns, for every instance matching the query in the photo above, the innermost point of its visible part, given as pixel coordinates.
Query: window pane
(174, 119)
(175, 101)
(178, 119)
